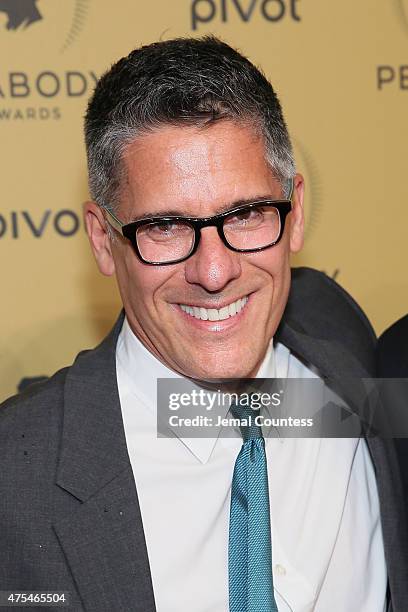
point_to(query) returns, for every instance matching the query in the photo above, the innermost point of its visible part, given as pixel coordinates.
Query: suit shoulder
(32, 406)
(392, 350)
(396, 335)
(321, 306)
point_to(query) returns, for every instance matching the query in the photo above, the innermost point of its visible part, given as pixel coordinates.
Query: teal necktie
(250, 548)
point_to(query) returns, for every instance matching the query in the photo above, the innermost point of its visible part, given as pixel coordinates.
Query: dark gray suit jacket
(392, 362)
(69, 512)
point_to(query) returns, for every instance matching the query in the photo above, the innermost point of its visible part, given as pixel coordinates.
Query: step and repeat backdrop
(341, 71)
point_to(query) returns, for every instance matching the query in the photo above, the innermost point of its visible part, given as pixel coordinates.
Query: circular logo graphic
(401, 9)
(313, 196)
(54, 25)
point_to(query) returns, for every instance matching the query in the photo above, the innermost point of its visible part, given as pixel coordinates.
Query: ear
(96, 228)
(297, 219)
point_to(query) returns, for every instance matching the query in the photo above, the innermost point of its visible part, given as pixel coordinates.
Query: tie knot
(249, 428)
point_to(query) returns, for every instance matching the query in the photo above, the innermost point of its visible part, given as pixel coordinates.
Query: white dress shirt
(327, 547)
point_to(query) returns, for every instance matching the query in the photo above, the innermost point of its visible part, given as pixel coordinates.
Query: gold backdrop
(341, 71)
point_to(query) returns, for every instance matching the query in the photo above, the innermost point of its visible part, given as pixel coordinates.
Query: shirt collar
(141, 369)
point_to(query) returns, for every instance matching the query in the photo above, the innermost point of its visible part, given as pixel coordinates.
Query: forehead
(195, 170)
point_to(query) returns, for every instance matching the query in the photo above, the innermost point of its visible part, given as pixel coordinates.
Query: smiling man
(196, 207)
(213, 314)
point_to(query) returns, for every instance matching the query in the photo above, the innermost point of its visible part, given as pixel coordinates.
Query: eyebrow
(171, 212)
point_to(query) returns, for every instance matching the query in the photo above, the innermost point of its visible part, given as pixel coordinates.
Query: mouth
(229, 311)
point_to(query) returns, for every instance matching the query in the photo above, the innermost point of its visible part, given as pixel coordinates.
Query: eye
(246, 218)
(165, 227)
(162, 231)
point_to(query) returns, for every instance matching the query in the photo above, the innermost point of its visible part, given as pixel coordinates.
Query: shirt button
(280, 570)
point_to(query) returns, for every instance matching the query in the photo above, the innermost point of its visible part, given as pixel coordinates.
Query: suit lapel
(337, 366)
(103, 540)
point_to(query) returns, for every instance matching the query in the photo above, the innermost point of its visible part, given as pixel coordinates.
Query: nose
(213, 265)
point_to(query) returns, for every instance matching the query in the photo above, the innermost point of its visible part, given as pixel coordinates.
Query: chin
(220, 372)
(223, 364)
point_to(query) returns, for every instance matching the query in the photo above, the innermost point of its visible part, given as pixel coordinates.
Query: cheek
(272, 263)
(274, 268)
(132, 281)
(140, 284)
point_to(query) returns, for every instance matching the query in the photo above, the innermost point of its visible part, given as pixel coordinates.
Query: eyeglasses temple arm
(113, 220)
(292, 185)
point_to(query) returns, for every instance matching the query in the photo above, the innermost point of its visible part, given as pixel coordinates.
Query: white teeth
(213, 314)
(204, 314)
(223, 313)
(232, 309)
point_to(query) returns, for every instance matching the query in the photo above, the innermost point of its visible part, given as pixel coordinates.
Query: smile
(213, 314)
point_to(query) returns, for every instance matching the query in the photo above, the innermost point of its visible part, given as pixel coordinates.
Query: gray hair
(182, 81)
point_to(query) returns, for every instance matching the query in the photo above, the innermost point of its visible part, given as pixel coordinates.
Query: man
(392, 350)
(392, 362)
(196, 207)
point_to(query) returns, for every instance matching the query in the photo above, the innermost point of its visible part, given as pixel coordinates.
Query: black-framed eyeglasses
(249, 228)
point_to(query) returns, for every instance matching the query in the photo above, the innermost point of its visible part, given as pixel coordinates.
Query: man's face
(200, 172)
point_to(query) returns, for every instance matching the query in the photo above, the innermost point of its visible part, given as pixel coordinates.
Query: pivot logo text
(205, 11)
(20, 13)
(64, 222)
